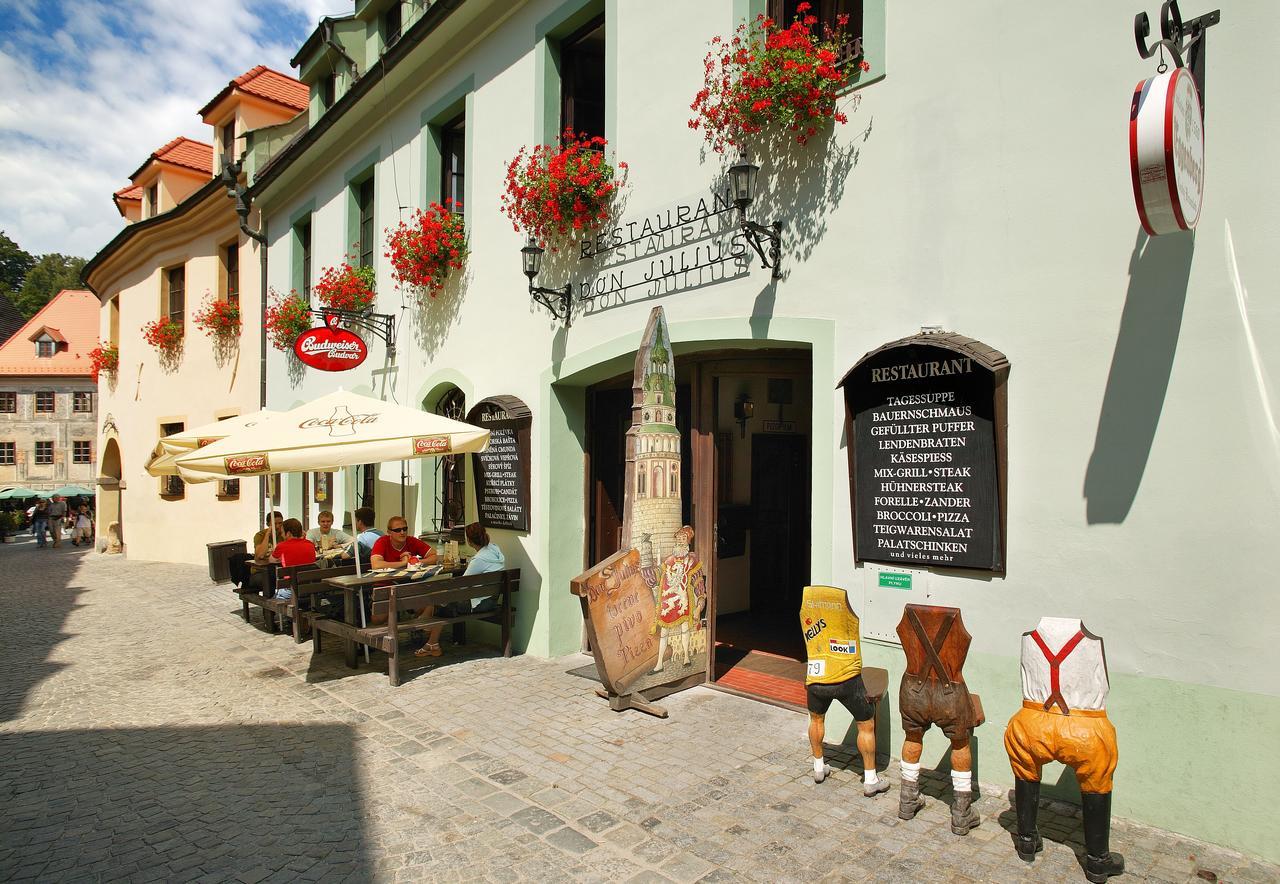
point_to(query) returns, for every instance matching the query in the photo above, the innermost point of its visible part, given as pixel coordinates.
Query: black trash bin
(220, 558)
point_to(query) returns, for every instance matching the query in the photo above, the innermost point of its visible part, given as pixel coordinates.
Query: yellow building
(183, 251)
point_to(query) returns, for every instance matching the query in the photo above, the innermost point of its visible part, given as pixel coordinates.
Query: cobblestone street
(149, 733)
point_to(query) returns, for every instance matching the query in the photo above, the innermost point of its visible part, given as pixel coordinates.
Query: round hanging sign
(330, 348)
(1166, 152)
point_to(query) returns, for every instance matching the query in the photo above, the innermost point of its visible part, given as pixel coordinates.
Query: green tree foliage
(15, 262)
(31, 281)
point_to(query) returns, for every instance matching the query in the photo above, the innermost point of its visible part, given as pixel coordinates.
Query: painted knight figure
(933, 693)
(1063, 718)
(682, 596)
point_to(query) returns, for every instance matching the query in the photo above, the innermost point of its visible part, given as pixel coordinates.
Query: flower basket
(423, 250)
(346, 287)
(768, 77)
(165, 335)
(555, 191)
(287, 317)
(219, 320)
(104, 358)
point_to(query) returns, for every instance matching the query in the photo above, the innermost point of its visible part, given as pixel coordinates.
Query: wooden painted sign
(618, 607)
(925, 419)
(502, 470)
(1166, 152)
(330, 347)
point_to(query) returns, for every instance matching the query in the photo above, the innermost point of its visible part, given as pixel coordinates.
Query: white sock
(819, 766)
(910, 772)
(962, 780)
(869, 776)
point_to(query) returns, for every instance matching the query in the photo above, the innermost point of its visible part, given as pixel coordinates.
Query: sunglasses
(400, 530)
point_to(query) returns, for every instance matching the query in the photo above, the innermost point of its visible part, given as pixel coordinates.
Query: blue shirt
(367, 538)
(487, 558)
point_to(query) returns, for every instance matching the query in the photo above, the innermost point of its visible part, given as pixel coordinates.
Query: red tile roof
(267, 84)
(75, 314)
(132, 192)
(185, 152)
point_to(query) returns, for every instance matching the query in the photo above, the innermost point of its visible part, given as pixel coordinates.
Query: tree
(15, 263)
(49, 275)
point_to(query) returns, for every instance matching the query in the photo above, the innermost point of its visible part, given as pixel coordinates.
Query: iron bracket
(758, 233)
(1185, 40)
(380, 325)
(558, 301)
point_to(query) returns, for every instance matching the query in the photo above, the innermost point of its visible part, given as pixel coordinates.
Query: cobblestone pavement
(148, 733)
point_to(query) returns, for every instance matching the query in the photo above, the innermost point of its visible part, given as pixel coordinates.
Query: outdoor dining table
(353, 585)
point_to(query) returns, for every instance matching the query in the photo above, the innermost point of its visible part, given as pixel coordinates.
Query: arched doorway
(447, 505)
(109, 502)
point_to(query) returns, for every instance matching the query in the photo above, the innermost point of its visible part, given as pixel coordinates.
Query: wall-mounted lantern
(744, 410)
(742, 188)
(558, 301)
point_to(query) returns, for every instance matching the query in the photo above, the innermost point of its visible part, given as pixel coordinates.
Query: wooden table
(352, 587)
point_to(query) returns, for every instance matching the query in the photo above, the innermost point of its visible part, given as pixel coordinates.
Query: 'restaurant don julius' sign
(330, 347)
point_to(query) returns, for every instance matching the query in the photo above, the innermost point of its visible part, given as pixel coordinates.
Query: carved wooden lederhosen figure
(933, 692)
(1063, 718)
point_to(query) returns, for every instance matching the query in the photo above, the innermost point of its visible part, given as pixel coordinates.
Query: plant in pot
(219, 320)
(104, 359)
(346, 286)
(556, 192)
(774, 78)
(426, 248)
(287, 317)
(166, 335)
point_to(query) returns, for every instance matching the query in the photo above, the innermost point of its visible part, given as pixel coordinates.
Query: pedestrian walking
(83, 530)
(57, 514)
(40, 522)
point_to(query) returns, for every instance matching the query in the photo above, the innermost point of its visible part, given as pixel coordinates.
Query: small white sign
(884, 596)
(1166, 152)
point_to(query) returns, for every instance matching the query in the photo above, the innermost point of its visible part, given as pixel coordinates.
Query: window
(175, 293)
(329, 89)
(153, 200)
(229, 143)
(828, 13)
(8, 403)
(82, 402)
(451, 470)
(8, 453)
(113, 322)
(81, 451)
(302, 258)
(45, 348)
(231, 266)
(392, 21)
(44, 402)
(44, 453)
(453, 139)
(172, 486)
(582, 80)
(228, 488)
(368, 235)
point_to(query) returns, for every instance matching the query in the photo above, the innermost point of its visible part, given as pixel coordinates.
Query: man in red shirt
(295, 549)
(399, 547)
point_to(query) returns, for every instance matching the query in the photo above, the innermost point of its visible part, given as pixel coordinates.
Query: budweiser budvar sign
(330, 348)
(247, 463)
(431, 445)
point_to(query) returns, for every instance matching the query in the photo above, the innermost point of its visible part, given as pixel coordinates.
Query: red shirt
(294, 551)
(412, 547)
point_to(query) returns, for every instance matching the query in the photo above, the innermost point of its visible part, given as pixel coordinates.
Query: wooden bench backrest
(413, 596)
(304, 579)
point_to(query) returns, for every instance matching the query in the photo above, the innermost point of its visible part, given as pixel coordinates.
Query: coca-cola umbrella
(161, 462)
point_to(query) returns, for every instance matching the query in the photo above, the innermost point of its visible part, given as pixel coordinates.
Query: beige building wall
(63, 427)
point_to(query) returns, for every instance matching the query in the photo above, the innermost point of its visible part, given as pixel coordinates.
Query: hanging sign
(1166, 152)
(925, 419)
(330, 347)
(502, 470)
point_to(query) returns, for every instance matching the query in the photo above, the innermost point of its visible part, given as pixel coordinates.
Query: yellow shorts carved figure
(1084, 740)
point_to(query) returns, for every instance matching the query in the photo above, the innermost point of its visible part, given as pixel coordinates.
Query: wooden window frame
(8, 454)
(78, 397)
(230, 271)
(366, 221)
(53, 402)
(36, 459)
(49, 344)
(8, 402)
(568, 89)
(827, 12)
(78, 445)
(453, 147)
(172, 487)
(179, 315)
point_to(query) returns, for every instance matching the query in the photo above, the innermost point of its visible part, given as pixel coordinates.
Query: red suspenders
(1055, 689)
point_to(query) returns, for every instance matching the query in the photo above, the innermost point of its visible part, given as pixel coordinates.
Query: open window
(175, 293)
(582, 93)
(828, 14)
(453, 144)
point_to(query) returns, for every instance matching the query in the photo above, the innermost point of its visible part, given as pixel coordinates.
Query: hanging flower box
(556, 191)
(346, 287)
(165, 335)
(772, 78)
(288, 316)
(104, 359)
(219, 320)
(424, 249)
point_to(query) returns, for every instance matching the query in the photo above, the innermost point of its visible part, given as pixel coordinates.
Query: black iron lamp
(558, 301)
(742, 187)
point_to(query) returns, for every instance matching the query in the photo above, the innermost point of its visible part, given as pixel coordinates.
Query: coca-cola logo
(247, 463)
(330, 349)
(341, 423)
(432, 445)
(201, 443)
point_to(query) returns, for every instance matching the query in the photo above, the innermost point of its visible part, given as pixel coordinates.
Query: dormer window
(46, 347)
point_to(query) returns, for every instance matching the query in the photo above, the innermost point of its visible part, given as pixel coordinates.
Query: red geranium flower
(423, 250)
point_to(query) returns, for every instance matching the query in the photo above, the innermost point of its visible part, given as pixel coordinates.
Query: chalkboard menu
(925, 421)
(502, 470)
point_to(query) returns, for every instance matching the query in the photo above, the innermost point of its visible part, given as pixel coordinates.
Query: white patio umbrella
(339, 430)
(167, 450)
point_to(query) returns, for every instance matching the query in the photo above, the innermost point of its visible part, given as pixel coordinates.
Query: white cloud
(91, 87)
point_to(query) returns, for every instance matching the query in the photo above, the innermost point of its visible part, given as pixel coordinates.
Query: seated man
(399, 547)
(366, 534)
(294, 550)
(325, 537)
(241, 574)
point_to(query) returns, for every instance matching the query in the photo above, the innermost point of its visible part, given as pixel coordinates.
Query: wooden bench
(307, 582)
(411, 597)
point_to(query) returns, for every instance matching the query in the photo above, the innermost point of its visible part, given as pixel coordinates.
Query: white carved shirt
(1082, 674)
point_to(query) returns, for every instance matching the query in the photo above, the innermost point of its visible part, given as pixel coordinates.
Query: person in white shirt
(325, 537)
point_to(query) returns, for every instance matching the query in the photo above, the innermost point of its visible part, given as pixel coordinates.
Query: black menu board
(926, 431)
(502, 470)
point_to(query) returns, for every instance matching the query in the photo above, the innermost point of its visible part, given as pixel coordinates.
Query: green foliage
(49, 275)
(14, 264)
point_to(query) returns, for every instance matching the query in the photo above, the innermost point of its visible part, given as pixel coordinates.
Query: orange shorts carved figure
(1084, 740)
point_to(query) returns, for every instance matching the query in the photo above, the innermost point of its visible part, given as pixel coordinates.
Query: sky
(92, 87)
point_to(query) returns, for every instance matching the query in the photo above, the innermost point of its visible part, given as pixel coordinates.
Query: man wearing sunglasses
(399, 547)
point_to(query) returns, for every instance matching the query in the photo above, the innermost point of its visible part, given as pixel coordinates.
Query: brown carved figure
(933, 693)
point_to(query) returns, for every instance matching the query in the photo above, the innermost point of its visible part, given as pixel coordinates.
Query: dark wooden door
(608, 419)
(779, 523)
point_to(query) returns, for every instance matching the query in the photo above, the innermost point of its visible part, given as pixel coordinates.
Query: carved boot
(963, 816)
(909, 800)
(1026, 801)
(1099, 862)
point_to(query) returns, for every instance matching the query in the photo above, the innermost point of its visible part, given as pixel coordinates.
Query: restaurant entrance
(745, 427)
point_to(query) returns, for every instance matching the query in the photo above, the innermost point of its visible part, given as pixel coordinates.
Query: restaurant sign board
(925, 417)
(502, 469)
(330, 347)
(618, 608)
(1166, 152)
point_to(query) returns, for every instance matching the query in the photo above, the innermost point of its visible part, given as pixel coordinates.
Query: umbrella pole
(355, 547)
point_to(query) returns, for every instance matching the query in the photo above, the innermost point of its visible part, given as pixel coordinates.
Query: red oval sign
(330, 349)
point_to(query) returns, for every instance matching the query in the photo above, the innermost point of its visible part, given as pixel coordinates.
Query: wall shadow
(1159, 269)
(241, 802)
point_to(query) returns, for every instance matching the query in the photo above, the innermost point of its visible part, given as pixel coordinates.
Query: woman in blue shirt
(487, 558)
